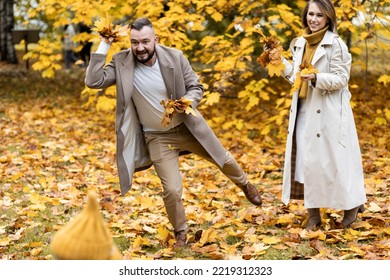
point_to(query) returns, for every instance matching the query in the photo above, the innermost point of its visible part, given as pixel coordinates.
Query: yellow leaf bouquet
(271, 58)
(172, 107)
(305, 69)
(108, 30)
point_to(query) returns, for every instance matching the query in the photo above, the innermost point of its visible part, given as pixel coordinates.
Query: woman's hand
(308, 77)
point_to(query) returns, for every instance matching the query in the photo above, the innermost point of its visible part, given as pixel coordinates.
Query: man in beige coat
(145, 75)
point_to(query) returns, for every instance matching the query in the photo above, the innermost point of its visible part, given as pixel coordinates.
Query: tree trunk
(349, 39)
(7, 49)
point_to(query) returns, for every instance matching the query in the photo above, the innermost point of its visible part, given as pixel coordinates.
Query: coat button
(318, 135)
(318, 111)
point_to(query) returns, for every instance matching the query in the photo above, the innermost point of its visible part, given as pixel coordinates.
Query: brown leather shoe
(181, 240)
(252, 194)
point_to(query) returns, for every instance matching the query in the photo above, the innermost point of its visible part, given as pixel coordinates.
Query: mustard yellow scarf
(312, 42)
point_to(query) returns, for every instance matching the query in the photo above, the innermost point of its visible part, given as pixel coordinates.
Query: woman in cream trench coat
(332, 167)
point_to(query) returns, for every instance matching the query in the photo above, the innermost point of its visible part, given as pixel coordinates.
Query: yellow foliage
(215, 15)
(212, 98)
(385, 79)
(110, 91)
(287, 15)
(105, 103)
(253, 93)
(89, 96)
(356, 50)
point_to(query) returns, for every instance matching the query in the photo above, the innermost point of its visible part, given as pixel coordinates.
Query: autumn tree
(221, 38)
(7, 49)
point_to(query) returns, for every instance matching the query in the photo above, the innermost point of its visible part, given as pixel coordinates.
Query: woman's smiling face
(316, 19)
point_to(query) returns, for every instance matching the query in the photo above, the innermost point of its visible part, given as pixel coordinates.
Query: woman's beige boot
(314, 219)
(350, 216)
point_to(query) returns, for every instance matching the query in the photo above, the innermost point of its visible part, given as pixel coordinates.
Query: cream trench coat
(180, 80)
(332, 165)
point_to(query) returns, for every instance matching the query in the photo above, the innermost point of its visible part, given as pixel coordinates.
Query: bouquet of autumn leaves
(108, 30)
(271, 58)
(305, 69)
(172, 107)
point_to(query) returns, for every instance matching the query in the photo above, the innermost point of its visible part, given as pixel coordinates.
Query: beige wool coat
(332, 163)
(180, 81)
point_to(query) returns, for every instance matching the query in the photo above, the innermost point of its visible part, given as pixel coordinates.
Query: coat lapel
(127, 76)
(167, 72)
(300, 48)
(320, 51)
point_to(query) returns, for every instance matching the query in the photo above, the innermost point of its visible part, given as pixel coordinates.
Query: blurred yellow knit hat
(86, 237)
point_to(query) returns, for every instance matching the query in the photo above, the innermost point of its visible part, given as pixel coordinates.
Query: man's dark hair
(140, 23)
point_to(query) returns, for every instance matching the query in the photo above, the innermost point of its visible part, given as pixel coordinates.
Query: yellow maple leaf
(385, 79)
(5, 241)
(297, 83)
(212, 98)
(141, 241)
(285, 219)
(189, 110)
(145, 202)
(122, 31)
(259, 248)
(275, 69)
(271, 240)
(162, 233)
(36, 251)
(208, 236)
(102, 23)
(312, 234)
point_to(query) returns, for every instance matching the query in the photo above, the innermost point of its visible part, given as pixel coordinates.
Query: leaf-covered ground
(52, 151)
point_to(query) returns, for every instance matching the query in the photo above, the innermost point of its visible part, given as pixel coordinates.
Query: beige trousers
(164, 149)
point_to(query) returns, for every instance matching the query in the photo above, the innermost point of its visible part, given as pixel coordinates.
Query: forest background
(58, 139)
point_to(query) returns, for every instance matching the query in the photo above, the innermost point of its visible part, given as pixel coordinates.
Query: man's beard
(145, 60)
